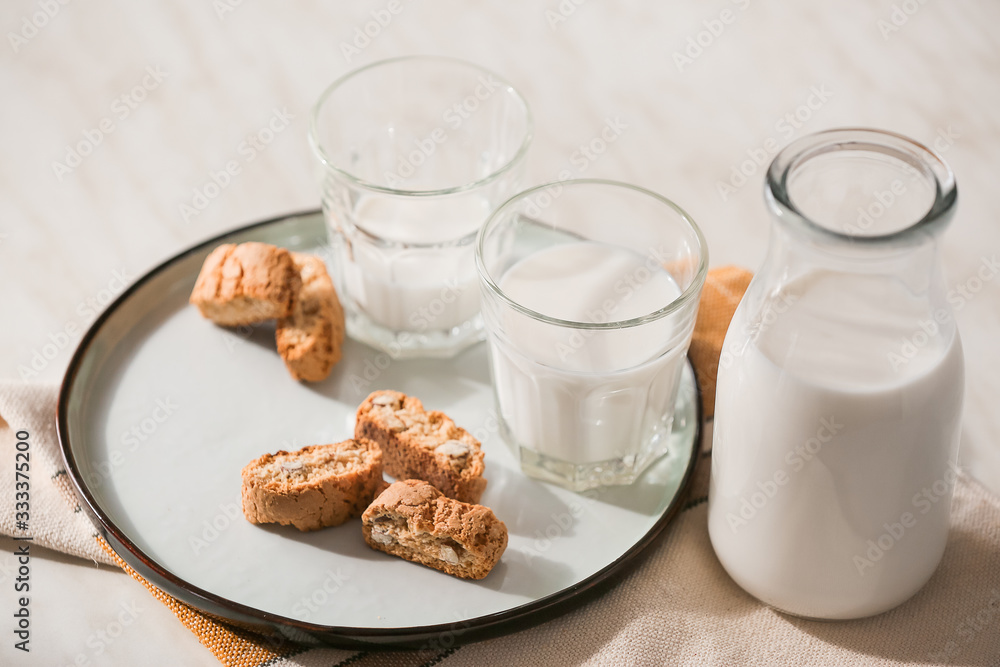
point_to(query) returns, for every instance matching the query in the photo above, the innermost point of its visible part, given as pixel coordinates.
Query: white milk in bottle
(839, 394)
(834, 446)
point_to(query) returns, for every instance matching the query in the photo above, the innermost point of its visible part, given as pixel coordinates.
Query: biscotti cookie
(417, 444)
(309, 340)
(246, 283)
(315, 487)
(413, 520)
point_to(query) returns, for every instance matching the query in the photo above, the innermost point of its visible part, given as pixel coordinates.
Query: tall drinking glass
(590, 291)
(414, 154)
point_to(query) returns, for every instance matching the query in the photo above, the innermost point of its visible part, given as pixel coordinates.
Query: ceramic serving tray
(160, 410)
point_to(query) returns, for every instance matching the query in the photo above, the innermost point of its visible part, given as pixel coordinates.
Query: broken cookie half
(254, 282)
(314, 487)
(311, 337)
(421, 444)
(413, 520)
(246, 283)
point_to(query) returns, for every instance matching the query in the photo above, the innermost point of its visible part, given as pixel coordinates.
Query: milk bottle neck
(792, 253)
(859, 202)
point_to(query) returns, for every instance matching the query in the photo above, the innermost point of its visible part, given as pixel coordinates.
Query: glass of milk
(414, 153)
(590, 291)
(839, 397)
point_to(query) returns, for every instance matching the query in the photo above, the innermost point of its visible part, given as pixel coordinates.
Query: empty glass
(415, 152)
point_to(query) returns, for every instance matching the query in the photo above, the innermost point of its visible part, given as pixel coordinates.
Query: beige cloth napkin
(677, 606)
(55, 519)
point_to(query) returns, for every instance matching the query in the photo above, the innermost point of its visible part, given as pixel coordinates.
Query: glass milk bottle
(840, 384)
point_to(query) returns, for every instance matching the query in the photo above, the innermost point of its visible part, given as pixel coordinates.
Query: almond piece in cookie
(315, 487)
(413, 520)
(246, 283)
(310, 339)
(417, 444)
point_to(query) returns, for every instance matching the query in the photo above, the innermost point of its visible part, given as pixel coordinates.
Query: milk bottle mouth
(861, 187)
